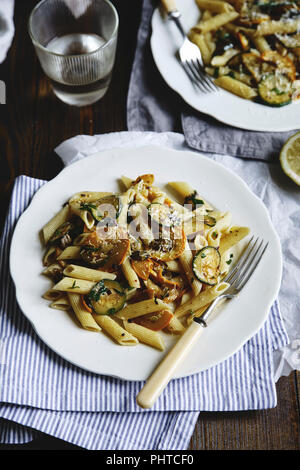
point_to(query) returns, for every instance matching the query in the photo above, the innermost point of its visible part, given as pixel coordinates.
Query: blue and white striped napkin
(43, 392)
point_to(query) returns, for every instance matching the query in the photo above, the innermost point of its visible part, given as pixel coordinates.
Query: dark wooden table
(32, 123)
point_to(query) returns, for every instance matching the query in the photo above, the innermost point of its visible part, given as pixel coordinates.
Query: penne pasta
(213, 237)
(223, 222)
(77, 286)
(205, 297)
(186, 260)
(236, 87)
(52, 295)
(197, 313)
(186, 297)
(144, 335)
(141, 308)
(119, 334)
(235, 235)
(126, 181)
(215, 22)
(61, 304)
(182, 188)
(267, 28)
(130, 274)
(71, 252)
(175, 326)
(260, 43)
(126, 199)
(215, 6)
(50, 256)
(84, 317)
(88, 196)
(54, 271)
(77, 208)
(173, 266)
(53, 224)
(80, 272)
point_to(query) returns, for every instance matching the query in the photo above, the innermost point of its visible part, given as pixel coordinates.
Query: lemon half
(290, 158)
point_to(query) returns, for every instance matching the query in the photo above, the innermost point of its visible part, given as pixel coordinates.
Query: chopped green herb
(91, 248)
(98, 290)
(73, 286)
(87, 207)
(229, 261)
(203, 255)
(165, 294)
(111, 311)
(193, 199)
(277, 91)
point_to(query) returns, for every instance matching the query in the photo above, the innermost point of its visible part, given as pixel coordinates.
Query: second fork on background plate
(189, 54)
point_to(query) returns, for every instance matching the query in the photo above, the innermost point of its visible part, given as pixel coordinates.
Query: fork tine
(247, 262)
(244, 256)
(195, 81)
(197, 76)
(251, 267)
(204, 75)
(241, 269)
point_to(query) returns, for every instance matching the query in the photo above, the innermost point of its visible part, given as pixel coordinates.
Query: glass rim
(85, 54)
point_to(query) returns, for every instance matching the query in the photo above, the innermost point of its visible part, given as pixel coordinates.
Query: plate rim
(188, 101)
(64, 171)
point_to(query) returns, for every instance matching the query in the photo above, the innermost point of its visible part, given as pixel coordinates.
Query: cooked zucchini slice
(163, 215)
(106, 207)
(106, 297)
(275, 89)
(107, 252)
(253, 64)
(206, 265)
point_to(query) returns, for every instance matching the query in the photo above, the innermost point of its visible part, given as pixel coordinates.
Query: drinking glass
(75, 41)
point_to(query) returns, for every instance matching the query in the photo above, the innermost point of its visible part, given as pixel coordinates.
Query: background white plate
(228, 331)
(224, 106)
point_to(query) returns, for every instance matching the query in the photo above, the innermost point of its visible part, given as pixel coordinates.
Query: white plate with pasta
(110, 266)
(254, 55)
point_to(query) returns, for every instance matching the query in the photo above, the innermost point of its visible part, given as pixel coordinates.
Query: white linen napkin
(280, 195)
(7, 29)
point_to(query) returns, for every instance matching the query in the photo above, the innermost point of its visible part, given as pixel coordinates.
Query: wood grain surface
(32, 123)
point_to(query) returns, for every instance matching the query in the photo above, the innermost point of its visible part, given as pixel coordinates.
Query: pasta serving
(138, 263)
(251, 47)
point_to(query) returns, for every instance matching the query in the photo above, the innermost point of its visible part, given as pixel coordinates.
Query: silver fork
(237, 278)
(189, 54)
